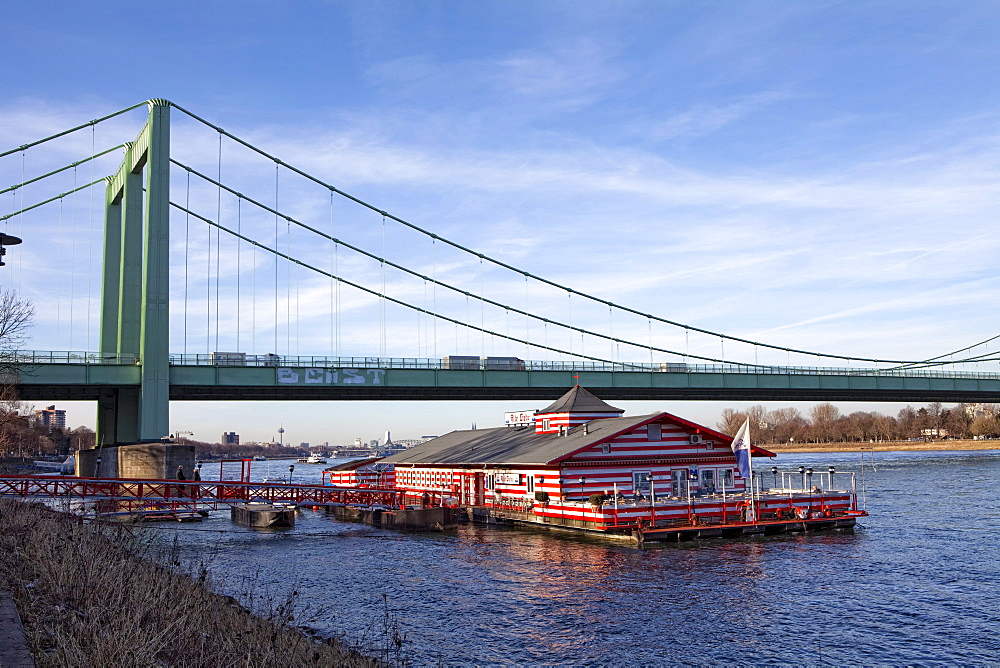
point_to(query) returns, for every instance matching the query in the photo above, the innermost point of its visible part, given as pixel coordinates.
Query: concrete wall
(141, 460)
(87, 466)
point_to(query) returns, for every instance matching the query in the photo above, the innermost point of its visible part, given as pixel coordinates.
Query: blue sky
(819, 175)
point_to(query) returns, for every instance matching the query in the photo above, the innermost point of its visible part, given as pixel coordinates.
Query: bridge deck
(413, 380)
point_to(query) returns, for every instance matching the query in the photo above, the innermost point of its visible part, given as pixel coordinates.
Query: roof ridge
(579, 400)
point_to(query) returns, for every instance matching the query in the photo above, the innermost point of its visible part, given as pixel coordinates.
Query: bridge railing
(513, 364)
(68, 357)
(473, 364)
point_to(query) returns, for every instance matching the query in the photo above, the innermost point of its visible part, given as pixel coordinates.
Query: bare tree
(824, 422)
(16, 318)
(731, 421)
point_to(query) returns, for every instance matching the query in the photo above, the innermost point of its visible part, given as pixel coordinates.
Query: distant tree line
(826, 424)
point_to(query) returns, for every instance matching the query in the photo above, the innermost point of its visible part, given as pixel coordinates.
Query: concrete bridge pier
(146, 461)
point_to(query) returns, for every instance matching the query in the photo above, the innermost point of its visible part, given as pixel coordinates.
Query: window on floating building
(726, 478)
(654, 432)
(546, 424)
(531, 484)
(641, 481)
(606, 448)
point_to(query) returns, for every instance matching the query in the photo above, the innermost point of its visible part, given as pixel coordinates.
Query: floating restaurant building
(580, 464)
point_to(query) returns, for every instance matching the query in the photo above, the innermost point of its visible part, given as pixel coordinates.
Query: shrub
(542, 497)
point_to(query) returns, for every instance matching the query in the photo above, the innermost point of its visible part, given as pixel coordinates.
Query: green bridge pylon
(135, 285)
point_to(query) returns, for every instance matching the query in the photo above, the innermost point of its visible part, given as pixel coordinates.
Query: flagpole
(753, 505)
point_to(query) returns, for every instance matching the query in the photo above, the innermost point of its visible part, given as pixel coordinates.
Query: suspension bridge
(215, 250)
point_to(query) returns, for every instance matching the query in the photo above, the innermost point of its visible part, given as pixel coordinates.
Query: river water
(915, 583)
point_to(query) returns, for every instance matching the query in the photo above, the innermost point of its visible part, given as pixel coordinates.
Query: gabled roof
(505, 445)
(579, 400)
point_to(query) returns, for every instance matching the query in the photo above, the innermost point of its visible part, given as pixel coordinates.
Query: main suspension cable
(332, 188)
(465, 293)
(375, 293)
(23, 147)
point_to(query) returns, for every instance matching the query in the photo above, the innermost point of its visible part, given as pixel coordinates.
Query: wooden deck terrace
(124, 494)
(674, 518)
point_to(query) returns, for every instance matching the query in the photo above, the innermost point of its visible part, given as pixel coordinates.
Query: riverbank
(885, 446)
(97, 594)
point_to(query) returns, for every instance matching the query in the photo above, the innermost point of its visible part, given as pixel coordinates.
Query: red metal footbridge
(132, 495)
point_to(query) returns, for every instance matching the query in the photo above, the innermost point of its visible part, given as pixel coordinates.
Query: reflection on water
(913, 584)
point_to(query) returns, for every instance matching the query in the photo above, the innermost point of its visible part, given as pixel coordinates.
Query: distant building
(230, 439)
(50, 418)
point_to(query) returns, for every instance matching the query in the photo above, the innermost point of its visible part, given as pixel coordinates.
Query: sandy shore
(951, 444)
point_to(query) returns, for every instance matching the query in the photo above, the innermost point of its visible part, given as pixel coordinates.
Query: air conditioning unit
(695, 438)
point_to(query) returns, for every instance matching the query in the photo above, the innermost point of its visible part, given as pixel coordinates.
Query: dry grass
(91, 594)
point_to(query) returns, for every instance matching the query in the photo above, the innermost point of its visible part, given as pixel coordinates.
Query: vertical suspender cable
(218, 246)
(382, 312)
(20, 221)
(333, 281)
(527, 323)
(426, 325)
(90, 236)
(434, 293)
(253, 299)
(482, 307)
(59, 276)
(506, 326)
(187, 243)
(288, 286)
(72, 260)
(569, 301)
(611, 332)
(276, 258)
(208, 292)
(239, 231)
(336, 264)
(297, 318)
(649, 324)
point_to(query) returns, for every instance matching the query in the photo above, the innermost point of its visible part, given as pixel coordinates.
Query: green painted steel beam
(223, 383)
(154, 349)
(135, 291)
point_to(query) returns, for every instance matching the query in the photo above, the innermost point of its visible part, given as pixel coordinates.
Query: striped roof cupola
(572, 409)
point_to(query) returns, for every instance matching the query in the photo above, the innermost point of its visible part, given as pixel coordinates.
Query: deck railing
(484, 364)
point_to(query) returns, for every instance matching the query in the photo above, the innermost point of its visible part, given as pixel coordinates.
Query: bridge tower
(135, 286)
